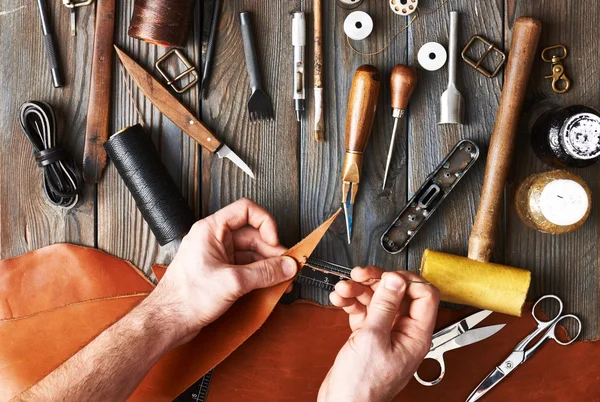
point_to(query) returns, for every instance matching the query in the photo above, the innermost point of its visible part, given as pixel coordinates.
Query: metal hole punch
(490, 47)
(558, 71)
(190, 69)
(72, 5)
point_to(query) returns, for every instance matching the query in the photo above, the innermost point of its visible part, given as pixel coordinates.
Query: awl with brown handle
(403, 82)
(474, 280)
(362, 104)
(98, 111)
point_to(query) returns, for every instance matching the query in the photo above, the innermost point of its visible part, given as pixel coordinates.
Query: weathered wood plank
(269, 148)
(429, 142)
(121, 228)
(320, 177)
(28, 221)
(564, 265)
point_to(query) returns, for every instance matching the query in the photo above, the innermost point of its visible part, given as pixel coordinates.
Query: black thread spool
(568, 137)
(162, 22)
(156, 195)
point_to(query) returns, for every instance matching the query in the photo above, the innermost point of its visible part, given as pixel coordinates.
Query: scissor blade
(225, 152)
(471, 336)
(454, 330)
(488, 383)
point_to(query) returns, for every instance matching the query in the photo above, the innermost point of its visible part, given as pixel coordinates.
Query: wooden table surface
(297, 179)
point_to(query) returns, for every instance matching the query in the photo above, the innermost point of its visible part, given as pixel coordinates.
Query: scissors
(456, 336)
(520, 354)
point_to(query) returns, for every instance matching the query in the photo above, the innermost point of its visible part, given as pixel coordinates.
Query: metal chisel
(177, 113)
(359, 121)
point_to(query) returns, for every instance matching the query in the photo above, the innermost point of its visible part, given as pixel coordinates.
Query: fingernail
(393, 282)
(289, 267)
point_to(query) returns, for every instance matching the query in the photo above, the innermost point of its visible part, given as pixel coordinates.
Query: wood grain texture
(27, 220)
(566, 265)
(269, 148)
(121, 228)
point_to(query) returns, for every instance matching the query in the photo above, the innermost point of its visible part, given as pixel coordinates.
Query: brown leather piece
(288, 358)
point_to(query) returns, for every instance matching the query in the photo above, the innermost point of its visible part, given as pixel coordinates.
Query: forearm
(113, 364)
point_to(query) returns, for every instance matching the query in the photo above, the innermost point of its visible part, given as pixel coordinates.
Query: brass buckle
(477, 64)
(190, 69)
(75, 4)
(558, 71)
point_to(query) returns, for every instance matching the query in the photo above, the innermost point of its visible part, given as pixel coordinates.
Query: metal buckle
(74, 4)
(190, 69)
(558, 71)
(477, 64)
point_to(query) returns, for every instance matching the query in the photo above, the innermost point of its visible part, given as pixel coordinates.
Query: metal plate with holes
(404, 7)
(325, 277)
(428, 198)
(349, 4)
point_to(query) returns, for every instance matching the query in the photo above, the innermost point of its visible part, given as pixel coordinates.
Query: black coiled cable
(60, 179)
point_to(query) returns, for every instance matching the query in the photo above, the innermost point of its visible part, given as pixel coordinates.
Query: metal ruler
(318, 273)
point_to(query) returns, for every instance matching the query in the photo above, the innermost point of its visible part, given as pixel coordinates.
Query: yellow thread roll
(480, 284)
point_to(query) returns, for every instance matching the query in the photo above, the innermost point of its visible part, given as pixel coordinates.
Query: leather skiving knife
(168, 105)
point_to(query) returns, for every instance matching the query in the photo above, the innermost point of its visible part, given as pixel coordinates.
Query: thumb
(267, 272)
(386, 300)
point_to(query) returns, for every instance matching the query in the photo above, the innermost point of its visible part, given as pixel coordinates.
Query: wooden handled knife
(168, 105)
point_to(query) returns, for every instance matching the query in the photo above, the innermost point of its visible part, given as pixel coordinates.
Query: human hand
(392, 323)
(223, 257)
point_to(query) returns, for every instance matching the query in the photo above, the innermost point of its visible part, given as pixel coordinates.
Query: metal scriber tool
(403, 82)
(520, 354)
(210, 49)
(177, 113)
(299, 45)
(451, 101)
(456, 336)
(359, 121)
(50, 46)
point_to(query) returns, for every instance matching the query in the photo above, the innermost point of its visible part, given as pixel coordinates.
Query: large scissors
(520, 354)
(456, 336)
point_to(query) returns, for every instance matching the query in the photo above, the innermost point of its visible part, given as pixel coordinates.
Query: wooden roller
(502, 288)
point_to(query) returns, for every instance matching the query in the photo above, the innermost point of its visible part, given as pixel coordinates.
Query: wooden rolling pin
(473, 280)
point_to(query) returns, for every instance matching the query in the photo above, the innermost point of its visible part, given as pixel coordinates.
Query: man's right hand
(392, 323)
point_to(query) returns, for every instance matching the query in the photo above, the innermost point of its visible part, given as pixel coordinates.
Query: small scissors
(519, 354)
(456, 336)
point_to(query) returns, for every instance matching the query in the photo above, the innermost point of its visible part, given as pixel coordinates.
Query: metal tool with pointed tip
(259, 103)
(456, 336)
(403, 82)
(451, 102)
(168, 105)
(362, 103)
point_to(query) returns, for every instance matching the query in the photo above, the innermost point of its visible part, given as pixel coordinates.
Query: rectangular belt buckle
(477, 64)
(190, 69)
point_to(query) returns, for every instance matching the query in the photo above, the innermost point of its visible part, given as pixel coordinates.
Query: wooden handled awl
(475, 281)
(403, 82)
(98, 111)
(362, 104)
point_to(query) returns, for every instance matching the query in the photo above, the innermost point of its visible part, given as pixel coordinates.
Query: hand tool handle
(522, 53)
(403, 82)
(250, 51)
(98, 111)
(53, 60)
(453, 47)
(210, 47)
(362, 104)
(318, 40)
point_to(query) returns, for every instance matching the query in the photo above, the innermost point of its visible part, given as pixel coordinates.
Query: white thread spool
(358, 25)
(404, 7)
(432, 56)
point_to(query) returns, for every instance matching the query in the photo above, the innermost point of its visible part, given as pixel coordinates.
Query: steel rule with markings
(428, 198)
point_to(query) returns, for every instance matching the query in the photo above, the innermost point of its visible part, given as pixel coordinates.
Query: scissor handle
(440, 360)
(542, 322)
(552, 335)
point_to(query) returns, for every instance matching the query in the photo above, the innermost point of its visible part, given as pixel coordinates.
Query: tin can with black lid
(568, 137)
